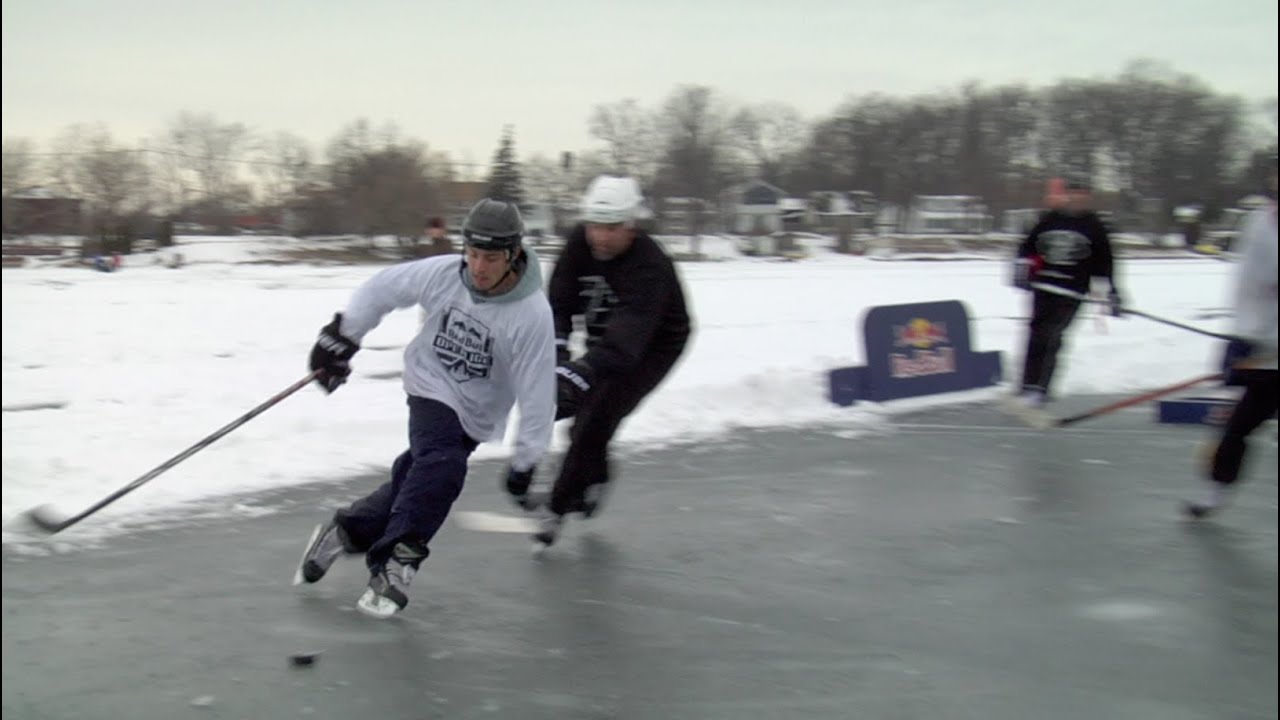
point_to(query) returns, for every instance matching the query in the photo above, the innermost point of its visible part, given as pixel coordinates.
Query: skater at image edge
(487, 343)
(626, 292)
(1067, 248)
(1250, 360)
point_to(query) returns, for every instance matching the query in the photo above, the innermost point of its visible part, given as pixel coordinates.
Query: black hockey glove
(518, 484)
(331, 355)
(562, 351)
(1114, 303)
(573, 382)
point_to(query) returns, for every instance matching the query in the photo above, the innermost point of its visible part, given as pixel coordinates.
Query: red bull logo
(929, 354)
(920, 333)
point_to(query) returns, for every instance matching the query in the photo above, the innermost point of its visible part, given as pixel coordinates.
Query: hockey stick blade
(47, 520)
(495, 522)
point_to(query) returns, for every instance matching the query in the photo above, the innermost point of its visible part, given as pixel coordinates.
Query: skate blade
(1197, 511)
(1033, 417)
(297, 574)
(376, 606)
(494, 522)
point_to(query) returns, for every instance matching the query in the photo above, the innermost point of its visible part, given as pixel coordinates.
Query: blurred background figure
(437, 235)
(1250, 360)
(1066, 249)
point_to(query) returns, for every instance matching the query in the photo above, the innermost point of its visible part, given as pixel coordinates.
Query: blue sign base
(913, 350)
(1192, 410)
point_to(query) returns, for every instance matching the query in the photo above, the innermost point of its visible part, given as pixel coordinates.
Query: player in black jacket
(625, 289)
(1066, 249)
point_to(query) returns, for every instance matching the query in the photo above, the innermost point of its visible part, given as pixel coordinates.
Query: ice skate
(591, 501)
(530, 501)
(328, 542)
(1214, 497)
(1029, 407)
(388, 591)
(549, 526)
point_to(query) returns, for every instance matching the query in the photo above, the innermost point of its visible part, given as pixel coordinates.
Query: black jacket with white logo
(1072, 248)
(632, 306)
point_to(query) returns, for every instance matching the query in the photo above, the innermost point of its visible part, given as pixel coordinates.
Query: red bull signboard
(921, 347)
(913, 350)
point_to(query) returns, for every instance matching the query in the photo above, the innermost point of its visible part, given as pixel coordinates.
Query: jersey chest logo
(600, 302)
(1063, 247)
(464, 346)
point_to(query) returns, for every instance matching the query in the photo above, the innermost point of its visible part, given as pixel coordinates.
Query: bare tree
(19, 173)
(769, 134)
(379, 180)
(284, 167)
(696, 160)
(205, 161)
(544, 179)
(631, 139)
(20, 166)
(111, 179)
(439, 166)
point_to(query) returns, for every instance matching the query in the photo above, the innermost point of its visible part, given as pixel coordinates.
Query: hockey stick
(1129, 311)
(1134, 400)
(46, 519)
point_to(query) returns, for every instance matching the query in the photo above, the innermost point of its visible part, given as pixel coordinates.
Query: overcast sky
(452, 73)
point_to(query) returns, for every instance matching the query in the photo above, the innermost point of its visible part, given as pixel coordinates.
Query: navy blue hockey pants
(1051, 315)
(586, 462)
(425, 480)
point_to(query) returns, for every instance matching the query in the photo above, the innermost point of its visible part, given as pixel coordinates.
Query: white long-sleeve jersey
(477, 355)
(1255, 291)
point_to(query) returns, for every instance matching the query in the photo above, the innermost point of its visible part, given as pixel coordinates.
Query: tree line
(1147, 134)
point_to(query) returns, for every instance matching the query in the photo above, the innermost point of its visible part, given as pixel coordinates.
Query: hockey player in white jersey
(488, 342)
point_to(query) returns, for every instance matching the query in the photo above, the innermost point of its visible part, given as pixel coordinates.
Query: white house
(1020, 221)
(828, 208)
(753, 208)
(946, 214)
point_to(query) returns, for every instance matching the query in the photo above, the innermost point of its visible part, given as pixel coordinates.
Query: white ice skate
(388, 591)
(1029, 407)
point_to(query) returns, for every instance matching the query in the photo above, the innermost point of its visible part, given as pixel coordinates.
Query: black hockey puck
(303, 659)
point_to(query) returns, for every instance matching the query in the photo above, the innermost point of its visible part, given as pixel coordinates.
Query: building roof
(758, 192)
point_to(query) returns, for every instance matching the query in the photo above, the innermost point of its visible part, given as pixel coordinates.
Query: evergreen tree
(504, 172)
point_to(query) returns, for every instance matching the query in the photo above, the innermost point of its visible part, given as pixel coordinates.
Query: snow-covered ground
(107, 375)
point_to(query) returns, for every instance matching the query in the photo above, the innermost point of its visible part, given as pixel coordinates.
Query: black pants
(1050, 316)
(1255, 407)
(586, 462)
(425, 480)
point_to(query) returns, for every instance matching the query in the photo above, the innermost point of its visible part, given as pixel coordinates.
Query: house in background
(837, 211)
(946, 214)
(753, 208)
(1019, 221)
(39, 211)
(684, 216)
